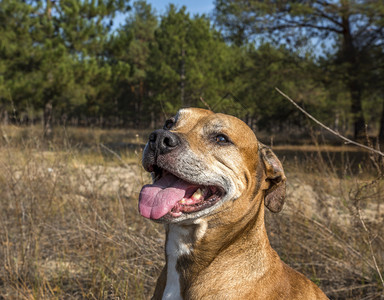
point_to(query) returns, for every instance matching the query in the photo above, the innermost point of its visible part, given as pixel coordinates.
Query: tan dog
(211, 181)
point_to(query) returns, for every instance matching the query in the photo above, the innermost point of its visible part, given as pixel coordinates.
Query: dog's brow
(176, 117)
(213, 127)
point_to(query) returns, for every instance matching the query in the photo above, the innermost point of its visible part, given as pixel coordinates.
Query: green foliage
(67, 55)
(54, 53)
(189, 61)
(353, 31)
(131, 49)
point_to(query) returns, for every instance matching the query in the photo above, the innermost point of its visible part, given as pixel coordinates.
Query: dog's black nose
(163, 141)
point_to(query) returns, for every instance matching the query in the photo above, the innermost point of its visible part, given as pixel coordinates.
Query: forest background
(84, 82)
(64, 62)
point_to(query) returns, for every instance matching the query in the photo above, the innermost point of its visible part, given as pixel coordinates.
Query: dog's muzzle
(173, 192)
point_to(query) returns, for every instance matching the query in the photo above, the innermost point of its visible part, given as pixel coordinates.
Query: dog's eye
(169, 124)
(221, 139)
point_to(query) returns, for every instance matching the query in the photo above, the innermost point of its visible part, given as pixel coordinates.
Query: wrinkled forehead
(188, 118)
(208, 122)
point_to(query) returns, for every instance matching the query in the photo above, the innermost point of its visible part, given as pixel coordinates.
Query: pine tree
(131, 47)
(188, 61)
(54, 53)
(353, 30)
(19, 57)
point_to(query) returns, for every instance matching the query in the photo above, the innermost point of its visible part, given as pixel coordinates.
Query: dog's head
(204, 164)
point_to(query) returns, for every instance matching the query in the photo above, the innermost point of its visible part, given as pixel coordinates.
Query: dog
(211, 181)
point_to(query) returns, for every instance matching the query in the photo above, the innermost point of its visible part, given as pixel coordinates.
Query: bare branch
(369, 242)
(295, 24)
(115, 154)
(205, 103)
(321, 13)
(347, 141)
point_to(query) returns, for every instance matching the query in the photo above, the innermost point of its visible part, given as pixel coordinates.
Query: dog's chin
(190, 217)
(199, 199)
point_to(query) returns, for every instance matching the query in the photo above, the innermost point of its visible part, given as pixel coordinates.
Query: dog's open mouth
(174, 196)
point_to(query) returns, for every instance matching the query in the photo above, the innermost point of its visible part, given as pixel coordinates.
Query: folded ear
(275, 193)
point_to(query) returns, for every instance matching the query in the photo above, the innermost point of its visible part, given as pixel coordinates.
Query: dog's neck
(192, 249)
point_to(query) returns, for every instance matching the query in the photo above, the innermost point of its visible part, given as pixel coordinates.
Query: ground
(70, 228)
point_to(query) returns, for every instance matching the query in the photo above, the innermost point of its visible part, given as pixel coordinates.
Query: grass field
(70, 229)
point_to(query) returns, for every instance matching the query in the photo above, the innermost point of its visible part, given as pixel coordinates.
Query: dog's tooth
(186, 201)
(197, 195)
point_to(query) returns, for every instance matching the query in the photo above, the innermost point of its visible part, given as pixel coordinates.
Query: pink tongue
(157, 199)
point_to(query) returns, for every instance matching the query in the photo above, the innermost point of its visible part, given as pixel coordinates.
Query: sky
(193, 7)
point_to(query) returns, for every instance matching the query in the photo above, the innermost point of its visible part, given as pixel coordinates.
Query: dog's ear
(275, 193)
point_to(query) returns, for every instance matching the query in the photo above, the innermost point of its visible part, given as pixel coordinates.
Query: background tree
(19, 57)
(53, 54)
(265, 67)
(189, 61)
(349, 30)
(63, 61)
(130, 45)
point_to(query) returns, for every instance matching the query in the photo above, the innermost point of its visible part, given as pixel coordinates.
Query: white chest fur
(175, 247)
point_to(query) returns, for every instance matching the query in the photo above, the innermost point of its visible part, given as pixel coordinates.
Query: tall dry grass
(69, 226)
(332, 228)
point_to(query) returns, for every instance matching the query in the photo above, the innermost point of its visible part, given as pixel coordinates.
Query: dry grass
(332, 228)
(70, 230)
(69, 225)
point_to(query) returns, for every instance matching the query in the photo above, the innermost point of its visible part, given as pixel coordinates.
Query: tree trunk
(5, 117)
(182, 78)
(138, 104)
(48, 120)
(357, 111)
(354, 82)
(153, 120)
(381, 133)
